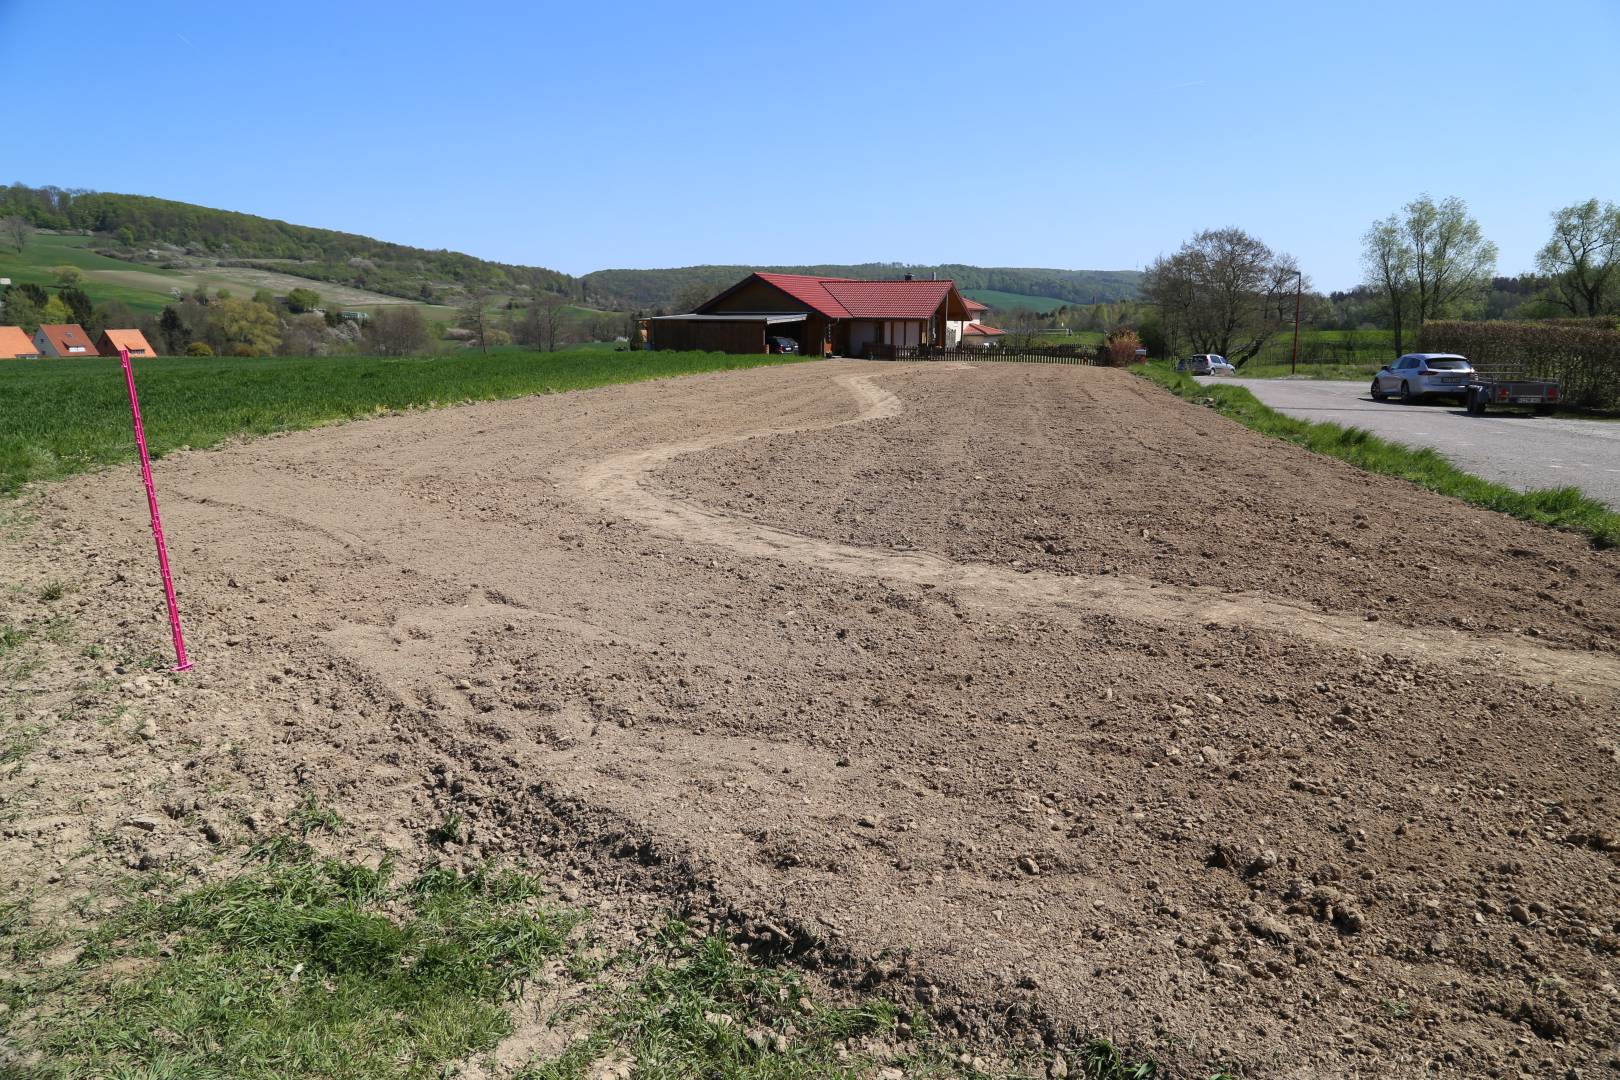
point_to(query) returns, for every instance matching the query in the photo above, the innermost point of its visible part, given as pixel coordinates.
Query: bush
(1121, 347)
(1582, 354)
(199, 348)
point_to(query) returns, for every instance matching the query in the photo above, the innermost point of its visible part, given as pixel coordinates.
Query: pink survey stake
(181, 663)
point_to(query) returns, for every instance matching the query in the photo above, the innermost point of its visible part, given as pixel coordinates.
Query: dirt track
(936, 682)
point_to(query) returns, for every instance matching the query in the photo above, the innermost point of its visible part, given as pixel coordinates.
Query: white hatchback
(1419, 375)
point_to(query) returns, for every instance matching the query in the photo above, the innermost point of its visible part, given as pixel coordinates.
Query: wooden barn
(823, 315)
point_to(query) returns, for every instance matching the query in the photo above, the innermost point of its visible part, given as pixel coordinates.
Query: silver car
(1206, 364)
(1416, 376)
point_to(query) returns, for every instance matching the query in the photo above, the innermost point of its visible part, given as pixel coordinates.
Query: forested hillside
(681, 287)
(145, 229)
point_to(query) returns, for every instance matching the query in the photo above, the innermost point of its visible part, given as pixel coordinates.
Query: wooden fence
(1058, 354)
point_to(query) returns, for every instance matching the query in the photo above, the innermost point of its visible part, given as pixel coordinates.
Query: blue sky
(590, 135)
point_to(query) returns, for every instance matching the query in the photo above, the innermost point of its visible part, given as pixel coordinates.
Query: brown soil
(1027, 692)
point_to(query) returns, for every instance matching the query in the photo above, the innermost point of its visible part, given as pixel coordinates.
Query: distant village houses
(66, 340)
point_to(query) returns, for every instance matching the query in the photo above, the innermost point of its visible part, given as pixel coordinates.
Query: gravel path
(1523, 452)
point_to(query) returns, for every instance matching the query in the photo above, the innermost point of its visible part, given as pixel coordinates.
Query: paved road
(1521, 451)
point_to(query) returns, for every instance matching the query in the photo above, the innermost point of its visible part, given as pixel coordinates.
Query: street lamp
(1299, 288)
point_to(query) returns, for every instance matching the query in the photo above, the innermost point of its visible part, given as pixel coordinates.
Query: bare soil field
(1031, 694)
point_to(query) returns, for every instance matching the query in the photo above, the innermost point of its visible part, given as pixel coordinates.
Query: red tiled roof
(111, 341)
(66, 337)
(811, 290)
(974, 305)
(981, 329)
(853, 298)
(890, 299)
(14, 342)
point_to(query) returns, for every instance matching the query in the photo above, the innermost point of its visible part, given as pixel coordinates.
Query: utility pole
(1299, 288)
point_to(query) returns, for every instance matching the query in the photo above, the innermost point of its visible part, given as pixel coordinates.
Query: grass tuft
(1561, 508)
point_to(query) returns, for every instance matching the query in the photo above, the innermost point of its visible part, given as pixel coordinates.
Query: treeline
(682, 288)
(142, 227)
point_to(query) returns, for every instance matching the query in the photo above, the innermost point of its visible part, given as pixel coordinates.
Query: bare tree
(397, 330)
(1223, 292)
(1582, 255)
(472, 316)
(17, 229)
(543, 322)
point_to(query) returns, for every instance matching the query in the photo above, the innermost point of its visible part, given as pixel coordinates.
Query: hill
(683, 286)
(166, 235)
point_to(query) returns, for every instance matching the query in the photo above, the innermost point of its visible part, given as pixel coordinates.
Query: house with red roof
(64, 339)
(112, 341)
(974, 332)
(819, 315)
(15, 344)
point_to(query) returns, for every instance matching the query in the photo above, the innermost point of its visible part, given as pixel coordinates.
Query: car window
(1448, 365)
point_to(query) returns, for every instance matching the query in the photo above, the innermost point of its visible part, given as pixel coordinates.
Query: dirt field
(1027, 692)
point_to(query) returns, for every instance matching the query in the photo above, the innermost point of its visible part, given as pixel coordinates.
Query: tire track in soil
(626, 484)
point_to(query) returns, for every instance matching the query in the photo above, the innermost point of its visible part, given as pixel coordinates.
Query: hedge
(1582, 354)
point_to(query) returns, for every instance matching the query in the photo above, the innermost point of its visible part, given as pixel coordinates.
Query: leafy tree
(37, 295)
(301, 300)
(56, 312)
(172, 330)
(1224, 292)
(243, 328)
(78, 303)
(22, 310)
(68, 276)
(1429, 261)
(1122, 344)
(1582, 256)
(199, 348)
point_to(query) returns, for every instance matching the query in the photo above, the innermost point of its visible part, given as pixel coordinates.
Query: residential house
(111, 341)
(822, 315)
(15, 344)
(66, 339)
(976, 335)
(973, 331)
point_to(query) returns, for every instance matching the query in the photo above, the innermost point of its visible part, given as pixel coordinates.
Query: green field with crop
(1007, 301)
(59, 417)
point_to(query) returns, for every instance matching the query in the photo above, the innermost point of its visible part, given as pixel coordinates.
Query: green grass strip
(1562, 508)
(60, 417)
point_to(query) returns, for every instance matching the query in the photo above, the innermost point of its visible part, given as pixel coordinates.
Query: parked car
(781, 345)
(1206, 364)
(1416, 376)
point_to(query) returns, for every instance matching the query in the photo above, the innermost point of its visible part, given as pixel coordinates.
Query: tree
(1122, 344)
(1429, 261)
(68, 276)
(542, 324)
(303, 335)
(397, 331)
(17, 230)
(300, 301)
(1388, 265)
(55, 313)
(243, 328)
(472, 317)
(1582, 255)
(173, 331)
(1224, 292)
(78, 303)
(113, 315)
(21, 309)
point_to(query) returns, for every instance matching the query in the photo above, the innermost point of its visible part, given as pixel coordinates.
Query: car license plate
(1528, 399)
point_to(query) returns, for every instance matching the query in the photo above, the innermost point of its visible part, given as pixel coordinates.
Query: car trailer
(1489, 388)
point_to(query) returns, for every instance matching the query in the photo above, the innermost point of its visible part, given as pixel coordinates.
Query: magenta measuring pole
(180, 661)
